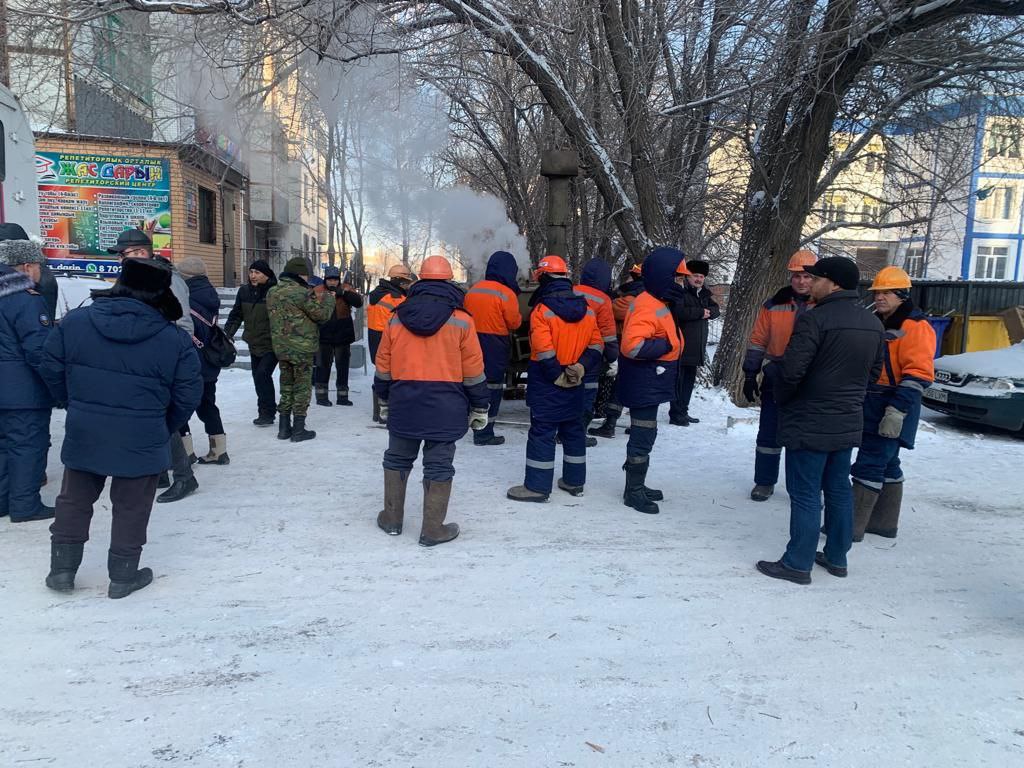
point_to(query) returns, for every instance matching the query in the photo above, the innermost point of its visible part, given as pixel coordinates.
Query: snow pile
(283, 628)
(1007, 363)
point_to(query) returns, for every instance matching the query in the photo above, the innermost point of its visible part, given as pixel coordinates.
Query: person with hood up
(648, 362)
(692, 313)
(296, 311)
(250, 310)
(565, 346)
(595, 286)
(130, 379)
(204, 305)
(768, 341)
(892, 408)
(381, 303)
(25, 401)
(606, 400)
(494, 305)
(336, 338)
(432, 388)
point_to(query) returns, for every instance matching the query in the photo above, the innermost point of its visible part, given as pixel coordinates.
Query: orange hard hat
(436, 268)
(636, 269)
(801, 259)
(400, 270)
(682, 269)
(890, 279)
(551, 265)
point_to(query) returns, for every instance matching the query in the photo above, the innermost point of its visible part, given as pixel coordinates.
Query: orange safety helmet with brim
(550, 265)
(682, 269)
(400, 271)
(436, 268)
(801, 259)
(891, 279)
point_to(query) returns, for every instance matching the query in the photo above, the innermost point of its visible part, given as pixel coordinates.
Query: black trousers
(684, 391)
(131, 500)
(263, 378)
(207, 410)
(341, 354)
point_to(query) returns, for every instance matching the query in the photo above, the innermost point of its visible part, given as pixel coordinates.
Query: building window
(207, 215)
(871, 163)
(914, 261)
(835, 209)
(1004, 143)
(305, 244)
(997, 203)
(991, 262)
(122, 53)
(871, 212)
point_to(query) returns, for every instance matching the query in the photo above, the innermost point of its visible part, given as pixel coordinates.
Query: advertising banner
(87, 200)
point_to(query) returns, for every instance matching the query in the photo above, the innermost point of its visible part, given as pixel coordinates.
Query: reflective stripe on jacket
(649, 354)
(601, 305)
(496, 315)
(772, 329)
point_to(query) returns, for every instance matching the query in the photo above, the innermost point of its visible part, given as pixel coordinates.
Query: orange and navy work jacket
(601, 305)
(648, 354)
(430, 381)
(621, 304)
(772, 328)
(380, 305)
(908, 370)
(495, 311)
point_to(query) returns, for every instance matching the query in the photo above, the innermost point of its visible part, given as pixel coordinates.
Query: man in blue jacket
(25, 402)
(130, 379)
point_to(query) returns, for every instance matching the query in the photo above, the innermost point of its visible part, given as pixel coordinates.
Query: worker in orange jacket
(595, 286)
(892, 407)
(431, 384)
(494, 304)
(380, 304)
(565, 345)
(648, 367)
(606, 400)
(768, 341)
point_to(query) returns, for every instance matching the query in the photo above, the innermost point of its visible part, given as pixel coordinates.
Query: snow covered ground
(284, 629)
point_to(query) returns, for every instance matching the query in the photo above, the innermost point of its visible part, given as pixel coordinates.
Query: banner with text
(87, 200)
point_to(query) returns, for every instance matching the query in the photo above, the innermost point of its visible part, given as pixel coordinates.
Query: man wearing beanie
(296, 311)
(250, 310)
(834, 352)
(25, 402)
(692, 312)
(130, 380)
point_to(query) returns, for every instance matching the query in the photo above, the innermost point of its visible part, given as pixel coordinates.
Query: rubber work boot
(864, 501)
(762, 492)
(218, 451)
(492, 440)
(126, 576)
(264, 420)
(591, 442)
(572, 490)
(390, 518)
(299, 431)
(778, 570)
(651, 493)
(605, 430)
(164, 481)
(190, 448)
(522, 493)
(376, 410)
(435, 507)
(886, 517)
(284, 426)
(64, 562)
(322, 397)
(342, 398)
(43, 513)
(179, 490)
(635, 495)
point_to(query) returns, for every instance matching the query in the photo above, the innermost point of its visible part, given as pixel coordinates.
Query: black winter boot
(179, 490)
(299, 431)
(264, 420)
(126, 576)
(322, 397)
(64, 562)
(342, 398)
(635, 495)
(284, 426)
(652, 493)
(164, 481)
(605, 430)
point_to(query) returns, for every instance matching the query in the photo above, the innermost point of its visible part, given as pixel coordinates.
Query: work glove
(477, 419)
(383, 407)
(891, 424)
(571, 376)
(613, 369)
(750, 389)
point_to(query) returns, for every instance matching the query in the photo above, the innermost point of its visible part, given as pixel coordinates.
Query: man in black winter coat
(692, 314)
(336, 338)
(250, 310)
(834, 353)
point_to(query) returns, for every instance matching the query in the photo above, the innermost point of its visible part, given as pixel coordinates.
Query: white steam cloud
(475, 225)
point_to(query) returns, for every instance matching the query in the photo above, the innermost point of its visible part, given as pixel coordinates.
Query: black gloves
(750, 389)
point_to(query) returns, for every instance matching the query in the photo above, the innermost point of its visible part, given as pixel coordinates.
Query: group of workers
(441, 359)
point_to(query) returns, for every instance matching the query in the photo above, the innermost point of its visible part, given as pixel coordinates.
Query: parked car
(983, 387)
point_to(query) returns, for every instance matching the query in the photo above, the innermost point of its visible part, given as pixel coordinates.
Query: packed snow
(995, 363)
(284, 629)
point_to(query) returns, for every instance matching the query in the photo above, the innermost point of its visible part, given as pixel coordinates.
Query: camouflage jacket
(295, 317)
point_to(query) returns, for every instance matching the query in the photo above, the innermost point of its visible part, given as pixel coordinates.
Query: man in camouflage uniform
(296, 311)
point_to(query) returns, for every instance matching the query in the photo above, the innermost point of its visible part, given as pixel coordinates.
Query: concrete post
(559, 166)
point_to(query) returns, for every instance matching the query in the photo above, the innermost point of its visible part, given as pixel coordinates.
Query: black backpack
(219, 350)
